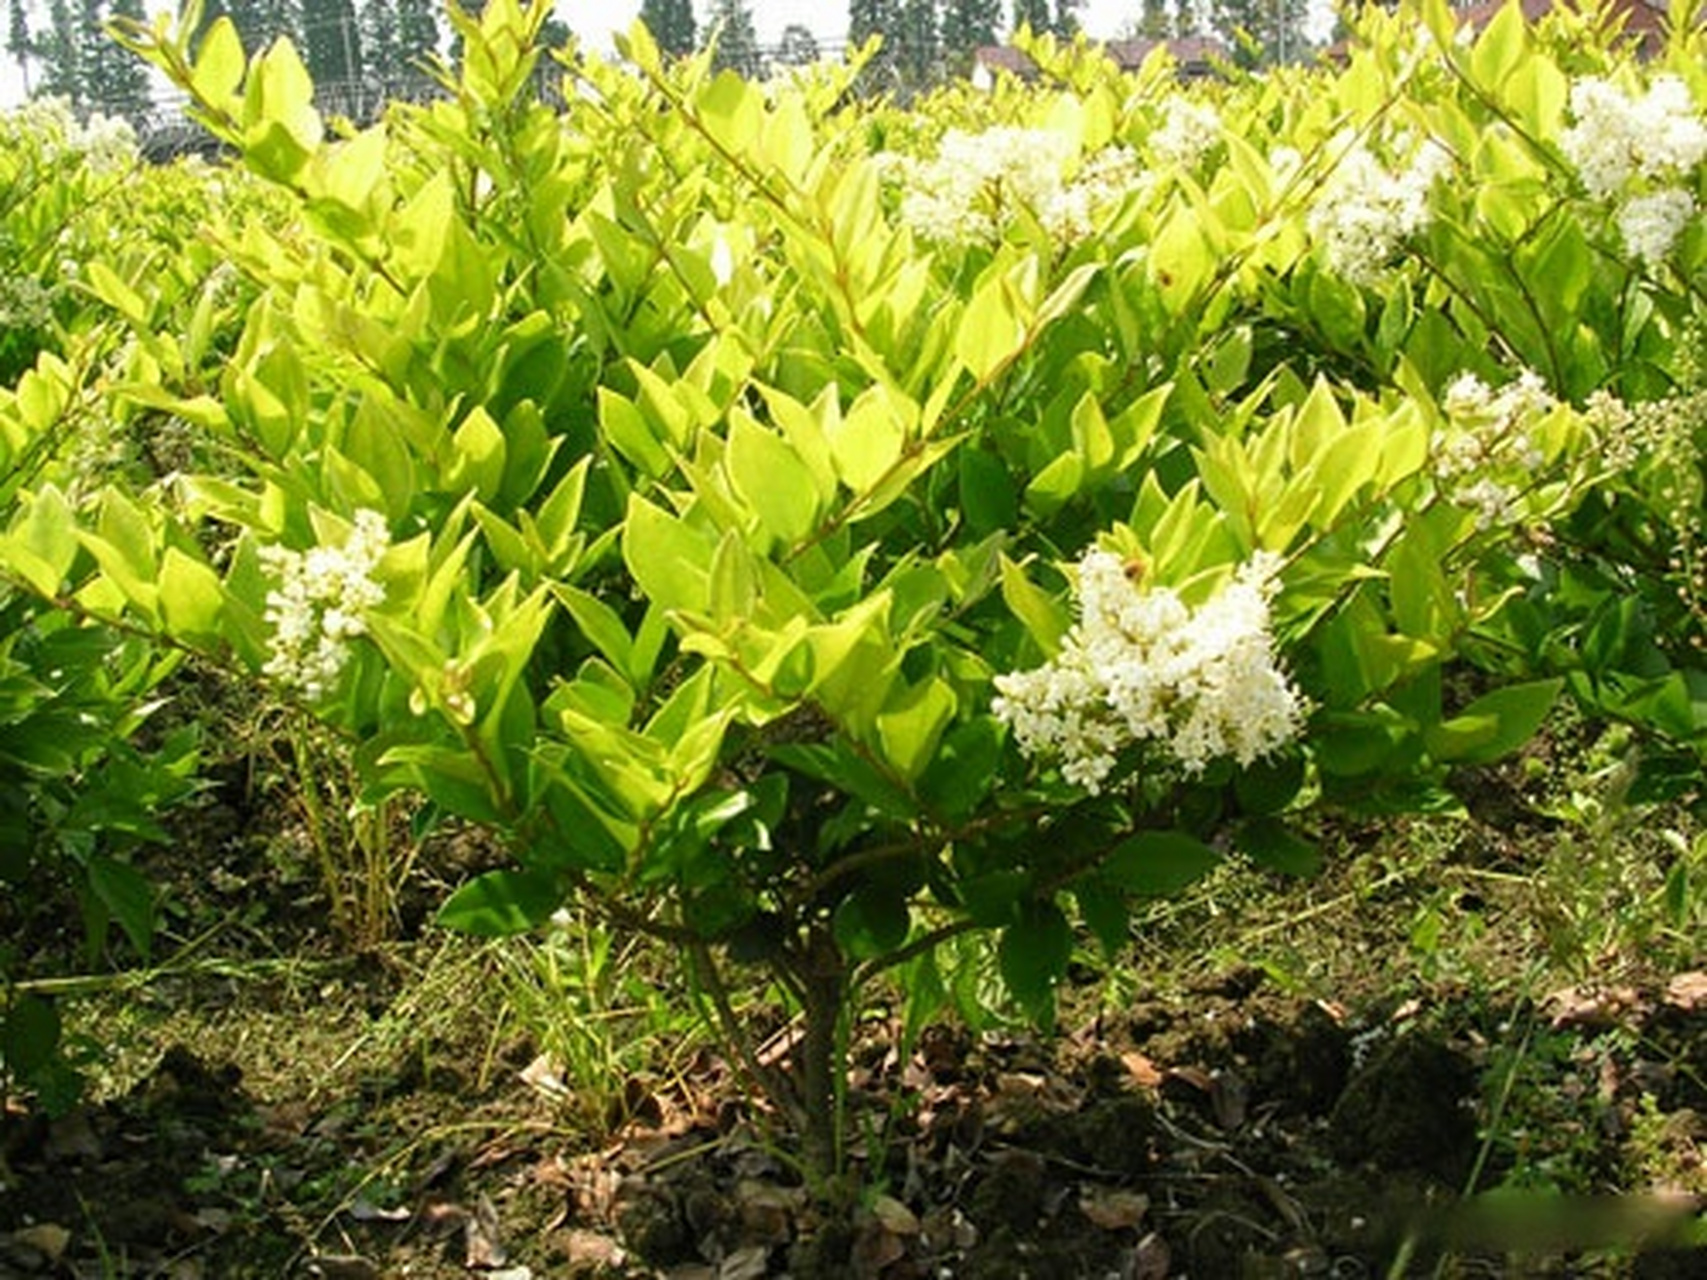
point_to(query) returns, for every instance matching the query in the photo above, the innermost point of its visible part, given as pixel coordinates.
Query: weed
(596, 1005)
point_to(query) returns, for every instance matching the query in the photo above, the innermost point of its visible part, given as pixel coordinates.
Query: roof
(1193, 54)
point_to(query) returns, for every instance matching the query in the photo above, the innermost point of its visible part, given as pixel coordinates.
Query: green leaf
(282, 128)
(1270, 784)
(1423, 603)
(871, 921)
(988, 498)
(478, 460)
(599, 623)
(1106, 913)
(867, 441)
(29, 1039)
(669, 559)
(771, 478)
(1159, 864)
(1044, 617)
(48, 534)
(1500, 47)
(1270, 843)
(912, 722)
(118, 295)
(191, 596)
(1495, 724)
(452, 779)
(501, 903)
(963, 770)
(126, 895)
(1033, 954)
(625, 426)
(991, 330)
(219, 62)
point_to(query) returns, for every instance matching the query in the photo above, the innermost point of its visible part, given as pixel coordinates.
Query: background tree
(260, 22)
(1034, 14)
(799, 47)
(671, 23)
(918, 52)
(867, 18)
(382, 54)
(1156, 21)
(1066, 19)
(1261, 32)
(967, 26)
(61, 54)
(115, 80)
(19, 42)
(417, 31)
(737, 43)
(332, 46)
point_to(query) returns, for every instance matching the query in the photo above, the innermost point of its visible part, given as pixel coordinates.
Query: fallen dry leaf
(895, 1216)
(751, 1263)
(1590, 1006)
(343, 1266)
(1688, 991)
(874, 1250)
(365, 1210)
(1149, 1260)
(1141, 1069)
(485, 1250)
(544, 1075)
(47, 1238)
(1113, 1210)
(592, 1248)
(1229, 1098)
(767, 1211)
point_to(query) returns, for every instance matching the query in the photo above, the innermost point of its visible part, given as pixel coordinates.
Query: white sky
(594, 19)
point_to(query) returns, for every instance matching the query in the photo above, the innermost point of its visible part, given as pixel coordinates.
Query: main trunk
(821, 1068)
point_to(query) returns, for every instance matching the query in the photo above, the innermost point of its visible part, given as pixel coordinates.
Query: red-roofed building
(1195, 56)
(1642, 20)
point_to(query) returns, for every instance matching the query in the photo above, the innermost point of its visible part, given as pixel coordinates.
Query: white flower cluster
(978, 182)
(1188, 133)
(1143, 666)
(1491, 433)
(1654, 140)
(1616, 138)
(317, 608)
(105, 143)
(1651, 224)
(25, 303)
(1364, 211)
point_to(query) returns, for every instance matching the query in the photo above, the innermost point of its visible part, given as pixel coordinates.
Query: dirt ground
(1281, 1081)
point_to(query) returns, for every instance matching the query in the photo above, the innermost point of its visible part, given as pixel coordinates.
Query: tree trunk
(822, 1063)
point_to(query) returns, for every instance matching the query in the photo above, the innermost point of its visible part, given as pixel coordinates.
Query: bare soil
(1282, 1081)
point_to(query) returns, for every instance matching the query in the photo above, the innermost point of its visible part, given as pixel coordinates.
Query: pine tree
(1261, 32)
(799, 47)
(115, 79)
(259, 22)
(1157, 22)
(332, 48)
(61, 54)
(19, 43)
(671, 24)
(1034, 14)
(967, 26)
(737, 42)
(382, 51)
(417, 40)
(1066, 21)
(917, 51)
(867, 18)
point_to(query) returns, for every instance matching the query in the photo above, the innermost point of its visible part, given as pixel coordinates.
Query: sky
(593, 20)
